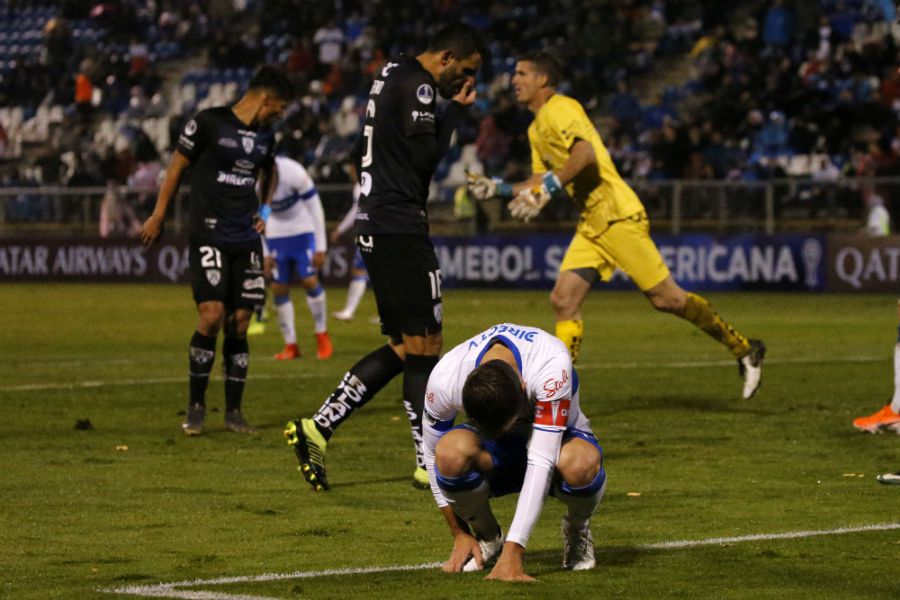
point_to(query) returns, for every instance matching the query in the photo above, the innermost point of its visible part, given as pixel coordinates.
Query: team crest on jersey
(247, 143)
(425, 94)
(191, 128)
(214, 276)
(439, 312)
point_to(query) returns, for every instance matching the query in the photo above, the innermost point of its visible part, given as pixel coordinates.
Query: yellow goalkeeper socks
(571, 332)
(701, 313)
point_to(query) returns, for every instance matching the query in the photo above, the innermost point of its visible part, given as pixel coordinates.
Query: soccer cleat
(490, 552)
(889, 478)
(309, 445)
(343, 315)
(420, 479)
(750, 367)
(235, 421)
(324, 349)
(290, 352)
(883, 419)
(578, 546)
(256, 326)
(193, 422)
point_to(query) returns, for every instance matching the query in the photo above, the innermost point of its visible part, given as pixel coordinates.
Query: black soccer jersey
(226, 156)
(393, 193)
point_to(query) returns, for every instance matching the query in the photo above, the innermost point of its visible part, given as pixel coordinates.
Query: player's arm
(268, 183)
(152, 227)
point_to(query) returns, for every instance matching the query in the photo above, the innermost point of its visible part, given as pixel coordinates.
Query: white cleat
(490, 552)
(750, 368)
(342, 315)
(578, 546)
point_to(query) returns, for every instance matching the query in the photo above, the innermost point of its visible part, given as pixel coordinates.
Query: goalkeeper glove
(483, 188)
(528, 204)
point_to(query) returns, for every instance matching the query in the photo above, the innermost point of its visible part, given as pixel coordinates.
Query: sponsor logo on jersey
(430, 398)
(425, 94)
(247, 143)
(423, 116)
(251, 284)
(553, 385)
(191, 128)
(235, 180)
(210, 222)
(439, 312)
(228, 142)
(365, 184)
(377, 86)
(552, 414)
(186, 142)
(245, 164)
(214, 276)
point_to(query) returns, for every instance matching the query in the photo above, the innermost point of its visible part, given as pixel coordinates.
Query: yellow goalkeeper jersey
(599, 192)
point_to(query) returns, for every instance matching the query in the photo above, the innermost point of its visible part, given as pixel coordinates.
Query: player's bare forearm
(509, 566)
(580, 158)
(453, 522)
(152, 227)
(269, 180)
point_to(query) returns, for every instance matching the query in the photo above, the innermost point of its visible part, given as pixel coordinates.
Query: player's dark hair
(273, 80)
(545, 64)
(492, 395)
(460, 39)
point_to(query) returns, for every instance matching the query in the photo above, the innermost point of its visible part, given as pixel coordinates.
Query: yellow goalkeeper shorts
(625, 244)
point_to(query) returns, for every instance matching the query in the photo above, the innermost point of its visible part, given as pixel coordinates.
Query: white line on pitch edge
(697, 364)
(169, 590)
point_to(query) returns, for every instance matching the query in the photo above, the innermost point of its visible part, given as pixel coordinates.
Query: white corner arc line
(170, 590)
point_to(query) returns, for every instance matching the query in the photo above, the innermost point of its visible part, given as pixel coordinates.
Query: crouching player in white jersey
(295, 237)
(525, 433)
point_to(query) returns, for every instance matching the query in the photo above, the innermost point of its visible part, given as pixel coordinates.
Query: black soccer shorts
(406, 279)
(230, 273)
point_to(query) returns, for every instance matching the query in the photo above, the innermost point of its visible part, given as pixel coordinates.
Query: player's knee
(212, 317)
(580, 468)
(433, 344)
(454, 455)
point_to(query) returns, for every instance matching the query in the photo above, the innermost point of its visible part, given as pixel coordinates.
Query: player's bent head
(493, 397)
(276, 89)
(462, 40)
(462, 51)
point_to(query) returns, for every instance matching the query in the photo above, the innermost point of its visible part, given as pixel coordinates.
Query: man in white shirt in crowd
(525, 433)
(295, 238)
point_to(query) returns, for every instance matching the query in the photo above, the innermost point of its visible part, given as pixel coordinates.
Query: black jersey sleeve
(416, 101)
(194, 137)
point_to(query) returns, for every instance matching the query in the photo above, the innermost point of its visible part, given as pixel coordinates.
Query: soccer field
(132, 505)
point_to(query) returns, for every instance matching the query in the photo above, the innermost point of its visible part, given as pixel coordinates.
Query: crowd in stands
(760, 89)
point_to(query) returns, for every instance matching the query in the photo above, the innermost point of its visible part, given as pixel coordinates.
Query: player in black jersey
(227, 149)
(404, 137)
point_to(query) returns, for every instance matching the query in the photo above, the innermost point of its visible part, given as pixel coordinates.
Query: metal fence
(673, 206)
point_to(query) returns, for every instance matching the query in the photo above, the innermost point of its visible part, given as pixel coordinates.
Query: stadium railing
(674, 206)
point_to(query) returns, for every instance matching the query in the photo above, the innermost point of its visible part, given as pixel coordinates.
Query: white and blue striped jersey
(296, 207)
(550, 383)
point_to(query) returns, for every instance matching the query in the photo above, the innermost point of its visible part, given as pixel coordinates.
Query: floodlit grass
(133, 502)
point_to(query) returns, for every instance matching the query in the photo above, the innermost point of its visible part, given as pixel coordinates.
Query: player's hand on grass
(464, 546)
(528, 203)
(466, 94)
(151, 229)
(318, 260)
(509, 566)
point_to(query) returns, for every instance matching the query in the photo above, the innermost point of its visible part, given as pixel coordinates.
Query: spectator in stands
(878, 221)
(329, 39)
(625, 108)
(346, 122)
(779, 25)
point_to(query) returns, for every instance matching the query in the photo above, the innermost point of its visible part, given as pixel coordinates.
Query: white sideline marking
(169, 590)
(32, 387)
(697, 364)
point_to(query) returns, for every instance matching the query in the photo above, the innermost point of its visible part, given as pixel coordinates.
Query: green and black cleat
(309, 445)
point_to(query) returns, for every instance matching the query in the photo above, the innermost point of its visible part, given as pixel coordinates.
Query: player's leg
(356, 289)
(581, 487)
(309, 437)
(209, 290)
(462, 465)
(568, 295)
(247, 290)
(417, 293)
(888, 417)
(236, 353)
(285, 264)
(635, 252)
(318, 308)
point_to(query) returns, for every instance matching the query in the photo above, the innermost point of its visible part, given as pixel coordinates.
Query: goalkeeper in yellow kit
(570, 161)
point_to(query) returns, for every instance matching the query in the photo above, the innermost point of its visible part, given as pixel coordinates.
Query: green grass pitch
(135, 503)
